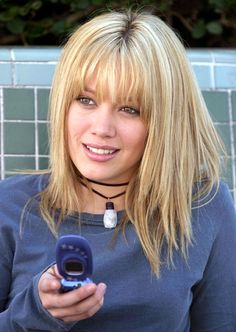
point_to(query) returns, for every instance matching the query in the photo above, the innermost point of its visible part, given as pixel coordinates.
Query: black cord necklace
(110, 214)
(108, 198)
(108, 184)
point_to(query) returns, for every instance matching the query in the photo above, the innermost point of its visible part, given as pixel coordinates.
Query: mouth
(102, 151)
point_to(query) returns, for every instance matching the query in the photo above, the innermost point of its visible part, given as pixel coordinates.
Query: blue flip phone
(74, 261)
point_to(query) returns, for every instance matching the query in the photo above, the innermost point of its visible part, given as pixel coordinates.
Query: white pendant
(110, 216)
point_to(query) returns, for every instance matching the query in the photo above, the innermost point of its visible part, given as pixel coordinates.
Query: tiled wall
(25, 80)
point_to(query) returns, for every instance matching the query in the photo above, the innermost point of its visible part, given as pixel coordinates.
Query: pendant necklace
(110, 214)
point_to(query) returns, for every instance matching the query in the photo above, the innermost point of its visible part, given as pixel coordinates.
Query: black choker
(108, 184)
(110, 214)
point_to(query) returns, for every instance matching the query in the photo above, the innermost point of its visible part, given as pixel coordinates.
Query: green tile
(203, 75)
(43, 96)
(6, 73)
(19, 138)
(233, 98)
(224, 56)
(227, 173)
(18, 104)
(5, 54)
(34, 73)
(19, 163)
(43, 138)
(217, 103)
(38, 53)
(234, 131)
(224, 132)
(43, 163)
(199, 55)
(225, 76)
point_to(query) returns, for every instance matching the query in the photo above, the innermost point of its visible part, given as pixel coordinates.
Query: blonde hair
(137, 54)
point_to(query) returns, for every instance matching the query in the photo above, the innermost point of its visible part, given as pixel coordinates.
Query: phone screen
(74, 267)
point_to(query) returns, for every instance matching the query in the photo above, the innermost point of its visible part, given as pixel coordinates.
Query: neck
(108, 184)
(101, 193)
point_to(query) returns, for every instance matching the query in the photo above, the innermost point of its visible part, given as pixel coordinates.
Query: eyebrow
(86, 89)
(89, 90)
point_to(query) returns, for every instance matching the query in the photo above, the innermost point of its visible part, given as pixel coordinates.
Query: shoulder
(27, 183)
(15, 193)
(17, 190)
(216, 198)
(216, 209)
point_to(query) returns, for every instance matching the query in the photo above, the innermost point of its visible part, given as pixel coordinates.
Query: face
(106, 141)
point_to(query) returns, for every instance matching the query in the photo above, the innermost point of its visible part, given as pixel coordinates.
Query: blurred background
(200, 23)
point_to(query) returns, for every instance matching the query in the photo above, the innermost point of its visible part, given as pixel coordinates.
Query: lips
(99, 151)
(103, 152)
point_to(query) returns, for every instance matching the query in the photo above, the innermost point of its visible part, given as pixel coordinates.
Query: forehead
(103, 91)
(111, 83)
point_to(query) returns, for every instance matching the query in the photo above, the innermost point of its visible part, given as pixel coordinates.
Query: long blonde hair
(137, 54)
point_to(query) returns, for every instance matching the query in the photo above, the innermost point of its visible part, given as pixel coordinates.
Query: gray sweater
(197, 296)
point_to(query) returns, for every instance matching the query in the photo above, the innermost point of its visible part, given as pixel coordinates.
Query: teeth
(99, 151)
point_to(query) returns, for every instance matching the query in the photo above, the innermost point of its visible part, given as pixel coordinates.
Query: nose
(104, 122)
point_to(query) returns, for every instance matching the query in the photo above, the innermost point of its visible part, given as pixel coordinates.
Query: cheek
(73, 131)
(75, 127)
(70, 132)
(73, 135)
(139, 136)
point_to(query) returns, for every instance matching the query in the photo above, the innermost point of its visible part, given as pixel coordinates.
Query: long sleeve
(214, 301)
(5, 279)
(23, 257)
(25, 313)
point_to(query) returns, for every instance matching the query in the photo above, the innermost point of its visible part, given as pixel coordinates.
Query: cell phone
(74, 261)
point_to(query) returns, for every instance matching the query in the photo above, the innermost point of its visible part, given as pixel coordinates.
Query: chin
(94, 176)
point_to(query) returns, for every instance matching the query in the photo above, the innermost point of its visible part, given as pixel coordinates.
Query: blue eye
(85, 100)
(130, 110)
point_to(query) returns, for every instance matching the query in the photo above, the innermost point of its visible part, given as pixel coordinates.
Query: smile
(100, 151)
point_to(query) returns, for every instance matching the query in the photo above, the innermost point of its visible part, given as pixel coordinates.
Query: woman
(128, 125)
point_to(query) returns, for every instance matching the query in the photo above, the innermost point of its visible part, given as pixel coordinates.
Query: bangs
(116, 74)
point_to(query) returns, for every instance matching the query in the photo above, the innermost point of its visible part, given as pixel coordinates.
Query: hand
(75, 305)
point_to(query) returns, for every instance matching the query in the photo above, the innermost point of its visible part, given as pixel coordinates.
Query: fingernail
(55, 285)
(104, 288)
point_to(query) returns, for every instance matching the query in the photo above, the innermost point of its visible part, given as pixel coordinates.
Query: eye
(130, 110)
(85, 100)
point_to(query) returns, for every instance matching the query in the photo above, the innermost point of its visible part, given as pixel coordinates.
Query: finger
(49, 282)
(90, 306)
(53, 270)
(65, 300)
(84, 309)
(94, 303)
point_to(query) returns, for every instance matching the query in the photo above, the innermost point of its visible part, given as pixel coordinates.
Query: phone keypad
(76, 249)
